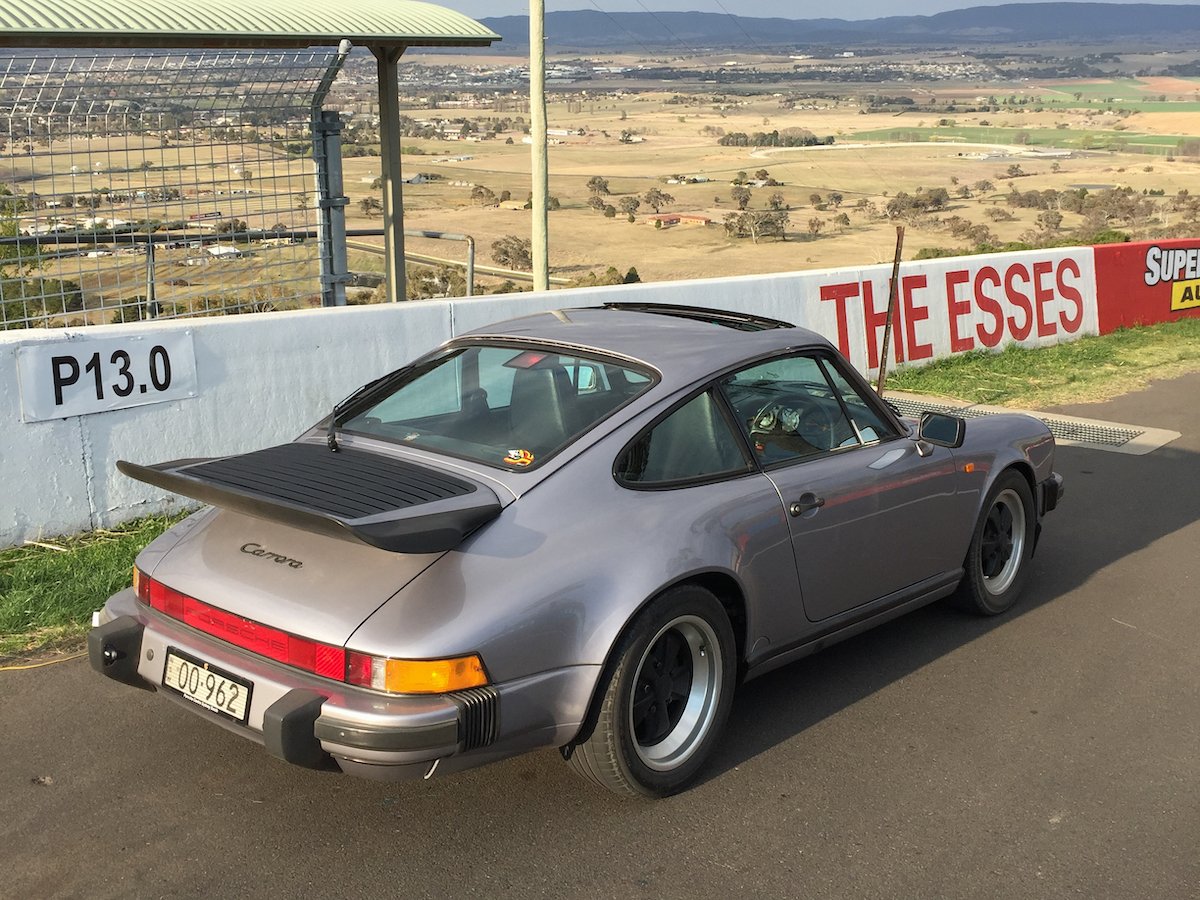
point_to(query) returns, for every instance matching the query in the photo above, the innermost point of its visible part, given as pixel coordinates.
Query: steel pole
(386, 59)
(537, 133)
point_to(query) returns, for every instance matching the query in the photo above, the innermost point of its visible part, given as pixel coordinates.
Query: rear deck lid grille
(349, 484)
(377, 499)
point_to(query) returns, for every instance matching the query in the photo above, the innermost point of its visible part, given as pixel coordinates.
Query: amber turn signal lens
(434, 676)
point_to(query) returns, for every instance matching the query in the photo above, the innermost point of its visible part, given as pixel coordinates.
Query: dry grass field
(674, 133)
(675, 141)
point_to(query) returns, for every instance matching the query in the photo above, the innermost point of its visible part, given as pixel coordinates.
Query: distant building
(224, 251)
(669, 219)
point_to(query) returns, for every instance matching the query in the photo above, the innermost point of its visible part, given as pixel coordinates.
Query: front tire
(997, 561)
(666, 698)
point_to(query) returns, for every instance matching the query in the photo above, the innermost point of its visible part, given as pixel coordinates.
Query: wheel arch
(721, 584)
(1023, 468)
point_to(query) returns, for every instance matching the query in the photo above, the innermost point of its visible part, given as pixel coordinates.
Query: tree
(1051, 219)
(740, 195)
(597, 185)
(762, 175)
(513, 252)
(842, 220)
(629, 206)
(301, 199)
(775, 201)
(597, 203)
(632, 276)
(815, 199)
(657, 199)
(757, 224)
(1014, 170)
(370, 206)
(610, 211)
(815, 225)
(739, 178)
(505, 196)
(484, 196)
(835, 199)
(983, 186)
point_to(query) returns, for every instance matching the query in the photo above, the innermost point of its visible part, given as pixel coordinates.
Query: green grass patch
(1089, 369)
(48, 590)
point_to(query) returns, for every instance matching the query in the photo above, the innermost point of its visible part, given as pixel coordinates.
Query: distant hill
(980, 25)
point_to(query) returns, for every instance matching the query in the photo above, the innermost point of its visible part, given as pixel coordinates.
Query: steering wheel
(799, 431)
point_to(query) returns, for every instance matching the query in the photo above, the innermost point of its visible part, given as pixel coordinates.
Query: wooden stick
(891, 312)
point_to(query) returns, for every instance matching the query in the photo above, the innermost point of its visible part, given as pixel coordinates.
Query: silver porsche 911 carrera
(578, 529)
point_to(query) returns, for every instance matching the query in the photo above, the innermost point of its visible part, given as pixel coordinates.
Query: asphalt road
(1053, 752)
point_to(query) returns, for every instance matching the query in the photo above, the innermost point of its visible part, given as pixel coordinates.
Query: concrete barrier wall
(261, 379)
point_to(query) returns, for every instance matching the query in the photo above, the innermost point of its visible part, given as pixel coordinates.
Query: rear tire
(997, 562)
(665, 700)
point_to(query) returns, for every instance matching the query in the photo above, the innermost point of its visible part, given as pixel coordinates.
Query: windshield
(508, 407)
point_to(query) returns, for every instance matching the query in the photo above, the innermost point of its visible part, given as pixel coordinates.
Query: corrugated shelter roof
(235, 23)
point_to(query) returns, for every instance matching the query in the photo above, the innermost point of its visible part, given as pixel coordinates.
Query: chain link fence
(177, 183)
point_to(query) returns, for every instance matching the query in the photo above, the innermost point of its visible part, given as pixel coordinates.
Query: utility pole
(540, 169)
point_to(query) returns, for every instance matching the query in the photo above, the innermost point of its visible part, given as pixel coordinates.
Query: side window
(791, 409)
(869, 426)
(692, 443)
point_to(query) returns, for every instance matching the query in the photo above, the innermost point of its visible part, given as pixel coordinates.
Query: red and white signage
(946, 306)
(1145, 283)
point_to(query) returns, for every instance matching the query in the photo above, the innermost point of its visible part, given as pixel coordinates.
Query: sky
(790, 9)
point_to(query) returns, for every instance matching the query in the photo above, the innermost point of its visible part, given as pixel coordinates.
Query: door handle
(808, 500)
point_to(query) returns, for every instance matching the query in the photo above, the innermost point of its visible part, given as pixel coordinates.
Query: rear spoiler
(351, 494)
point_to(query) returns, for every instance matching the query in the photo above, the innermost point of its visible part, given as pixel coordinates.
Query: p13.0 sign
(80, 377)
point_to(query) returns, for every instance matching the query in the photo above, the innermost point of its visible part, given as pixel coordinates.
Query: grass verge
(48, 590)
(1082, 371)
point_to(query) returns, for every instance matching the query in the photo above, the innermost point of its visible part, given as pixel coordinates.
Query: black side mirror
(942, 429)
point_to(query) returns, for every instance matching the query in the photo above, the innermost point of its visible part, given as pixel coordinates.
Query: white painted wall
(263, 378)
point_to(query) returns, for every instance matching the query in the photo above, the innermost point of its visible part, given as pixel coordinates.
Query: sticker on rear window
(519, 458)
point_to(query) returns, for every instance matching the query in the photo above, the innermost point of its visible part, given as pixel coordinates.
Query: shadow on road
(1115, 506)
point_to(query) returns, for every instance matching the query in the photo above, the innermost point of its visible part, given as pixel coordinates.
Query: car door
(866, 509)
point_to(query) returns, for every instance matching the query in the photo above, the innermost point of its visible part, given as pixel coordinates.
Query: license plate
(206, 685)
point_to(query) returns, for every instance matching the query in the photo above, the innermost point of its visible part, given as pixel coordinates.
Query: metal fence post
(327, 154)
(151, 311)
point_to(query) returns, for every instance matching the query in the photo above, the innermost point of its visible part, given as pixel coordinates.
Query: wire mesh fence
(167, 184)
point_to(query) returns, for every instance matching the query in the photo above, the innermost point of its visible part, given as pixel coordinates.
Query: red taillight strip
(325, 660)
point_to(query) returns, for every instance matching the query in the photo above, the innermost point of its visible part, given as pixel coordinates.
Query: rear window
(508, 407)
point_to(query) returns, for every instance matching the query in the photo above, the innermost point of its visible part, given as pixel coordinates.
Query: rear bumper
(313, 722)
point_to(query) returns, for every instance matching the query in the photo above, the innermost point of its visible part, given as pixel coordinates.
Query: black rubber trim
(1052, 492)
(739, 321)
(419, 737)
(479, 715)
(115, 648)
(355, 495)
(288, 729)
